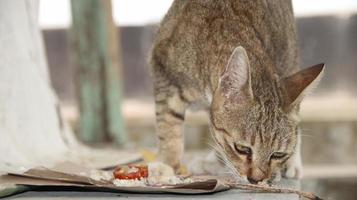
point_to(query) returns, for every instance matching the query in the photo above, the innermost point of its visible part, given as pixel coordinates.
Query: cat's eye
(278, 155)
(242, 149)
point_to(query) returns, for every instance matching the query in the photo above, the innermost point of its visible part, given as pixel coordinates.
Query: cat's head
(255, 126)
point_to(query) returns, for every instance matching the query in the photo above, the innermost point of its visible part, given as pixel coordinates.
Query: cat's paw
(294, 169)
(157, 169)
(196, 166)
(208, 165)
(294, 172)
(162, 174)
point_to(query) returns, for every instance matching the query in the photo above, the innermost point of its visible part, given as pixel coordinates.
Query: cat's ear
(298, 85)
(235, 81)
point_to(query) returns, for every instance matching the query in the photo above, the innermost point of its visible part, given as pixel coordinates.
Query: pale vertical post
(113, 77)
(95, 43)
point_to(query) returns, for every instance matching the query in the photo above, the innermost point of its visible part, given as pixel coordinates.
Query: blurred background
(327, 32)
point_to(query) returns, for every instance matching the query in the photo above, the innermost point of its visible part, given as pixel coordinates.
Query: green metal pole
(113, 77)
(98, 71)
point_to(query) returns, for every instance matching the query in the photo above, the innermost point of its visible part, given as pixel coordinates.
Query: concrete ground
(230, 194)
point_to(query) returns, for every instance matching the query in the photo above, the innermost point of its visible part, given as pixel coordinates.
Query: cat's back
(196, 38)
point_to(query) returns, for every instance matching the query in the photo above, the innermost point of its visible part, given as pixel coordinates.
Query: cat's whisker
(226, 162)
(308, 136)
(285, 138)
(307, 131)
(221, 153)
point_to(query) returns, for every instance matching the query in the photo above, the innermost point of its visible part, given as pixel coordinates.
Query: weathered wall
(30, 127)
(326, 39)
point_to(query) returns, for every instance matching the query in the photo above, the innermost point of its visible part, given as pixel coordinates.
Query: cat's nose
(253, 181)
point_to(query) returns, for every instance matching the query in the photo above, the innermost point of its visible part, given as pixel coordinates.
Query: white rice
(129, 183)
(159, 175)
(152, 181)
(167, 180)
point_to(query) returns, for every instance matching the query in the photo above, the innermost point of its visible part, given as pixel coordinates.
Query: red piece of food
(131, 172)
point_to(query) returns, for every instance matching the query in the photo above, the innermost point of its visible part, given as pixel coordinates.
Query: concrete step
(329, 128)
(314, 109)
(337, 171)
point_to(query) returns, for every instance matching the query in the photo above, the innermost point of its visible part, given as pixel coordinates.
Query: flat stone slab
(229, 195)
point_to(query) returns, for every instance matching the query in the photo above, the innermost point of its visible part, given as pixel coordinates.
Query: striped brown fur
(234, 57)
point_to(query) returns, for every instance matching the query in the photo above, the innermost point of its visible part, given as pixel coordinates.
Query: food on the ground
(131, 172)
(129, 183)
(156, 181)
(153, 174)
(167, 180)
(157, 174)
(98, 175)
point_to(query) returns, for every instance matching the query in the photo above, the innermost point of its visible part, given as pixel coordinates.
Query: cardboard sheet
(68, 175)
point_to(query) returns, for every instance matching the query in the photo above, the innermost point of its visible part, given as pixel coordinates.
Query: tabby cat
(239, 59)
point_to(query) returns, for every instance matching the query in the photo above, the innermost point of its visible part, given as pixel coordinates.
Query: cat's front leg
(170, 114)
